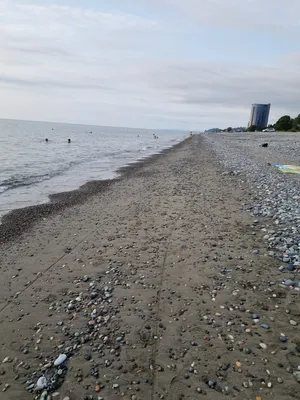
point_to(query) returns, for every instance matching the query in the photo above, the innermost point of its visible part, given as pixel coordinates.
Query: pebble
(41, 383)
(44, 395)
(263, 346)
(60, 359)
(265, 326)
(292, 322)
(283, 339)
(212, 384)
(6, 386)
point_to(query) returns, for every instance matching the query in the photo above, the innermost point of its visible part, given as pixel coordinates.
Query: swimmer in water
(46, 140)
(69, 140)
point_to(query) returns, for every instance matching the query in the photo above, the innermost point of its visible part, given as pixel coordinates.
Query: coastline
(20, 220)
(161, 286)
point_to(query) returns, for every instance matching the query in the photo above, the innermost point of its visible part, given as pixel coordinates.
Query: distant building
(260, 115)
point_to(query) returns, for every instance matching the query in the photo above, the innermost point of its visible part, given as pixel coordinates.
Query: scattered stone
(60, 359)
(41, 383)
(265, 326)
(263, 346)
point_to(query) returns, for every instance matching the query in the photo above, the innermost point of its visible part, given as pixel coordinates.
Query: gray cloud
(87, 83)
(228, 85)
(69, 63)
(271, 16)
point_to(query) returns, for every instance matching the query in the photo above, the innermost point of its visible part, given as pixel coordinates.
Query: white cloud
(268, 15)
(76, 64)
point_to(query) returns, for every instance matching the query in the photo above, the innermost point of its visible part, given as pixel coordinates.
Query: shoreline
(159, 287)
(20, 220)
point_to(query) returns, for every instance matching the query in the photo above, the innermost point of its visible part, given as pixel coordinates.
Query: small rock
(41, 383)
(60, 359)
(6, 386)
(265, 326)
(212, 384)
(263, 346)
(292, 322)
(44, 395)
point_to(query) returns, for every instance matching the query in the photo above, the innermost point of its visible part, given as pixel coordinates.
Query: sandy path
(159, 241)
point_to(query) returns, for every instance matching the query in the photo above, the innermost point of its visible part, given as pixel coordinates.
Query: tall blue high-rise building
(260, 115)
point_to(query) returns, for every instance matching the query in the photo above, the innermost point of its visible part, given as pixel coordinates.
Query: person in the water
(69, 140)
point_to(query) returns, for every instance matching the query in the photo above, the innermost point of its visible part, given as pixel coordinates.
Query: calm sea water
(31, 169)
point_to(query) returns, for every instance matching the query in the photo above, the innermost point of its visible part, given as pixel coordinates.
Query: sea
(32, 168)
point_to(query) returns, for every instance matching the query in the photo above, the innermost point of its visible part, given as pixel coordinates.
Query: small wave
(3, 188)
(19, 181)
(145, 148)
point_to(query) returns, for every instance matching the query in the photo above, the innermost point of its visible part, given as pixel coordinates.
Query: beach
(163, 283)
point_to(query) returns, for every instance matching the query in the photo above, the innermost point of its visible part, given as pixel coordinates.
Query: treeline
(284, 124)
(288, 124)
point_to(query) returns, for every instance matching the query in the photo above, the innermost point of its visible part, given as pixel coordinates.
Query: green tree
(229, 129)
(284, 123)
(296, 123)
(251, 128)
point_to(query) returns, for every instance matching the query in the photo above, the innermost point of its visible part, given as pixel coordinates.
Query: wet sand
(165, 257)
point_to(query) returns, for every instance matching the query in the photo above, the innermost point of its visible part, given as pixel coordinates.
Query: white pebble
(41, 383)
(60, 359)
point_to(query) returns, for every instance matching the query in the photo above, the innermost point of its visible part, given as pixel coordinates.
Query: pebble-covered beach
(275, 195)
(178, 281)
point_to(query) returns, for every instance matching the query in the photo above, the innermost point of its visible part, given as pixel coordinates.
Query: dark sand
(171, 242)
(21, 220)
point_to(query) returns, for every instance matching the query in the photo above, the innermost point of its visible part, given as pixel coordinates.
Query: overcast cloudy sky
(186, 64)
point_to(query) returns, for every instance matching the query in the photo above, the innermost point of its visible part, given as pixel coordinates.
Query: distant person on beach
(69, 140)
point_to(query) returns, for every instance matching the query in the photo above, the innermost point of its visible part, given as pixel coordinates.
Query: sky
(168, 64)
